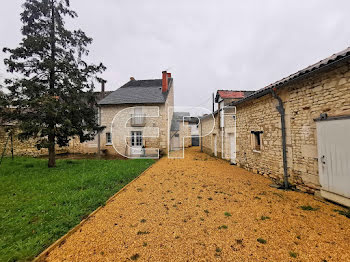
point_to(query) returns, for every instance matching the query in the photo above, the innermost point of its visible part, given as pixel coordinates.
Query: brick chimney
(165, 81)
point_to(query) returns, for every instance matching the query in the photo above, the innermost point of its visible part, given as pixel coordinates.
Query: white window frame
(136, 139)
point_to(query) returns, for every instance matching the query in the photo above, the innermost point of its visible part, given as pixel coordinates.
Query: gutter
(280, 109)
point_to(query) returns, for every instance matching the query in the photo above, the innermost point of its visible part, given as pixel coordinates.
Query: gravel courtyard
(203, 209)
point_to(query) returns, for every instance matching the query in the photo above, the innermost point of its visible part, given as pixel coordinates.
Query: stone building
(137, 117)
(312, 108)
(217, 130)
(180, 131)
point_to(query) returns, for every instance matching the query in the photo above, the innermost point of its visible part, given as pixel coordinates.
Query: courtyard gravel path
(203, 209)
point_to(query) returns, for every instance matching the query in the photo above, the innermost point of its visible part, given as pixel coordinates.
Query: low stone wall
(23, 148)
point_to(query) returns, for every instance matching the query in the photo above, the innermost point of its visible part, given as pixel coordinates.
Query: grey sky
(207, 45)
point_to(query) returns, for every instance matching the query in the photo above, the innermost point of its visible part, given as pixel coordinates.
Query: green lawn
(38, 205)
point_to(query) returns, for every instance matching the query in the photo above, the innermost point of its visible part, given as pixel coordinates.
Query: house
(297, 130)
(137, 117)
(220, 127)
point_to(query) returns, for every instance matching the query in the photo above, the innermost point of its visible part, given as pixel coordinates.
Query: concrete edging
(42, 256)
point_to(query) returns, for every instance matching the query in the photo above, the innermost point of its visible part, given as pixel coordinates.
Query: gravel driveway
(203, 209)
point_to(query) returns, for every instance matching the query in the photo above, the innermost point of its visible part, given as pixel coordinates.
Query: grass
(227, 214)
(134, 257)
(293, 254)
(309, 208)
(39, 205)
(264, 217)
(261, 240)
(344, 212)
(223, 227)
(143, 232)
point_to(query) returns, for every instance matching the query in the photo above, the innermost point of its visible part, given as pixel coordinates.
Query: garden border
(42, 256)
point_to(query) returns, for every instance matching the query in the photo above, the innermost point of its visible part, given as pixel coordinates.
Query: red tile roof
(231, 94)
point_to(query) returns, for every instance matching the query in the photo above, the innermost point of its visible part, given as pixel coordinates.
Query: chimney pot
(132, 78)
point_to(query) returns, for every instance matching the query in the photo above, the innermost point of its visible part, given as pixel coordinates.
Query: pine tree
(52, 92)
(2, 106)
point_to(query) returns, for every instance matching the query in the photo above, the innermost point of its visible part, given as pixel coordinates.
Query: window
(256, 140)
(108, 138)
(136, 138)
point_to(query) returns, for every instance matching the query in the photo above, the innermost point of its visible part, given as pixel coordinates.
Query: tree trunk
(52, 152)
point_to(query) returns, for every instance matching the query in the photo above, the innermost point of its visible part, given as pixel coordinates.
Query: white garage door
(333, 138)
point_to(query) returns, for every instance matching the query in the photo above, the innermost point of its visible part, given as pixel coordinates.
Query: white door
(215, 145)
(136, 143)
(233, 148)
(333, 138)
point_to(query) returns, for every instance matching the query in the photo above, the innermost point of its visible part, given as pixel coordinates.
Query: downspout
(222, 143)
(201, 136)
(280, 109)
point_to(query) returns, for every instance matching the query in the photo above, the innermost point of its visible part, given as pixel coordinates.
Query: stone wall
(185, 135)
(304, 100)
(23, 148)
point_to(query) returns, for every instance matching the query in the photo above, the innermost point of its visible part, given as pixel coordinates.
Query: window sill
(256, 151)
(109, 144)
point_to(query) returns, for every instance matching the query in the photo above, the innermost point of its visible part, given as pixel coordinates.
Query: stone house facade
(137, 117)
(321, 90)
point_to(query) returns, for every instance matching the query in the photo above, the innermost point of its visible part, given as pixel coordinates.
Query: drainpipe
(201, 136)
(280, 109)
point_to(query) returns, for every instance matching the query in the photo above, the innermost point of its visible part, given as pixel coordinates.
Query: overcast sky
(207, 45)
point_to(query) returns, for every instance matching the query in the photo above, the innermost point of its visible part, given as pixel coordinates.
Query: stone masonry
(304, 100)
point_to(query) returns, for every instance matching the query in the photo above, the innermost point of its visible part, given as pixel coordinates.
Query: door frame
(136, 142)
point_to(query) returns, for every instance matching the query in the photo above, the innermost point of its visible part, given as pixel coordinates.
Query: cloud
(207, 45)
